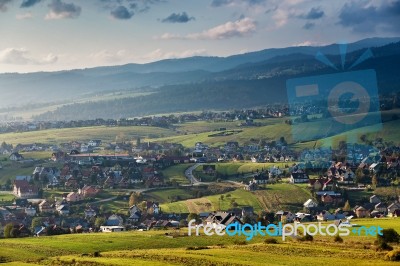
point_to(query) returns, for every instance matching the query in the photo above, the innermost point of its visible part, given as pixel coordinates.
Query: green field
(154, 248)
(176, 173)
(107, 134)
(274, 197)
(167, 195)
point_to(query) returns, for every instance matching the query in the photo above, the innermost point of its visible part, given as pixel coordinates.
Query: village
(128, 171)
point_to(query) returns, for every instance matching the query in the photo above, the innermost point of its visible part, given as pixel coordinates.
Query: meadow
(273, 197)
(160, 248)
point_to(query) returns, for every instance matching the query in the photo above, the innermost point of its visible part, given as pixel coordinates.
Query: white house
(310, 204)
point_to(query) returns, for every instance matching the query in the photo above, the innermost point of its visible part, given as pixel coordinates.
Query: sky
(53, 35)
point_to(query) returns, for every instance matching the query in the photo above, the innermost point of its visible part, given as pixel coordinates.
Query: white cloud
(27, 15)
(109, 57)
(20, 56)
(158, 54)
(239, 28)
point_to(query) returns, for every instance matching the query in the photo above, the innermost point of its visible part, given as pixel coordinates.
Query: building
(22, 189)
(15, 156)
(298, 178)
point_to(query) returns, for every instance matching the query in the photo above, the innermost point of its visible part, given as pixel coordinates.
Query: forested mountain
(247, 85)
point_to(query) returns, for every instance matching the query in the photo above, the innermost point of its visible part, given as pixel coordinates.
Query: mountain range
(190, 84)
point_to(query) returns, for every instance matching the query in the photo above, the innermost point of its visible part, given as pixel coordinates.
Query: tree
(193, 216)
(99, 221)
(37, 221)
(347, 206)
(374, 181)
(7, 230)
(133, 199)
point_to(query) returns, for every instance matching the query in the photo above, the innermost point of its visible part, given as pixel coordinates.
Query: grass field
(110, 134)
(154, 248)
(274, 197)
(177, 173)
(166, 195)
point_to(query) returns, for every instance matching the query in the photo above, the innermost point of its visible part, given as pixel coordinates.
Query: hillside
(278, 196)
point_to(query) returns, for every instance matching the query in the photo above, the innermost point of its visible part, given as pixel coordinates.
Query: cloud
(364, 16)
(314, 13)
(109, 57)
(29, 3)
(121, 12)
(27, 15)
(219, 3)
(124, 9)
(61, 10)
(158, 54)
(3, 5)
(178, 18)
(309, 26)
(240, 28)
(20, 56)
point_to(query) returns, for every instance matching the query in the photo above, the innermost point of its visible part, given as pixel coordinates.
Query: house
(89, 191)
(331, 199)
(153, 207)
(393, 208)
(325, 216)
(75, 197)
(15, 156)
(374, 199)
(45, 207)
(114, 220)
(109, 229)
(381, 207)
(59, 156)
(89, 213)
(252, 186)
(316, 184)
(361, 212)
(247, 211)
(29, 211)
(299, 177)
(285, 216)
(63, 209)
(261, 178)
(22, 189)
(224, 218)
(310, 204)
(94, 143)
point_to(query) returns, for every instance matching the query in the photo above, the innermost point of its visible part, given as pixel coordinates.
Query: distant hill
(245, 86)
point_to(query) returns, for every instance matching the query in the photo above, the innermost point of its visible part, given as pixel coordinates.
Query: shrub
(389, 236)
(384, 246)
(271, 241)
(307, 237)
(240, 242)
(196, 248)
(338, 239)
(393, 255)
(96, 254)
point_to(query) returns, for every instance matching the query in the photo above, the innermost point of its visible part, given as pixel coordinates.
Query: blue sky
(50, 35)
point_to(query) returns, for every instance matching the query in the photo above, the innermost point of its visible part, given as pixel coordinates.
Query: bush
(338, 239)
(307, 237)
(389, 236)
(240, 242)
(271, 241)
(384, 246)
(96, 254)
(393, 255)
(196, 248)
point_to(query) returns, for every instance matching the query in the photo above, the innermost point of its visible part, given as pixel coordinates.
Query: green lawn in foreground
(154, 248)
(177, 173)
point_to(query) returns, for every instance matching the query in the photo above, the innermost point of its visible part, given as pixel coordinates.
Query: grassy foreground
(155, 248)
